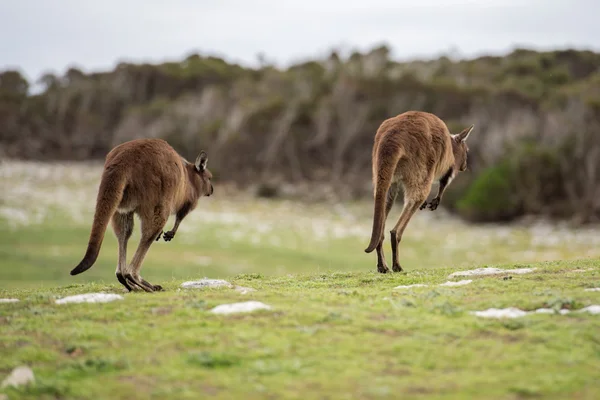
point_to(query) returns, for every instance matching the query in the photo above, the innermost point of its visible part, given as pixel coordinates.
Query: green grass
(46, 213)
(329, 335)
(337, 330)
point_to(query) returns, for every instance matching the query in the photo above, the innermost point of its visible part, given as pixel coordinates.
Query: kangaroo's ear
(462, 137)
(201, 161)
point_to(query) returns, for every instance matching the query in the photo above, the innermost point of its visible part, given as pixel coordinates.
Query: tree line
(534, 149)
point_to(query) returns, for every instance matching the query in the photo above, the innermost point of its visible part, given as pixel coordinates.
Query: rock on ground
(551, 311)
(491, 271)
(90, 298)
(513, 312)
(205, 283)
(19, 376)
(449, 283)
(215, 283)
(596, 289)
(510, 312)
(9, 300)
(593, 309)
(459, 283)
(410, 286)
(246, 306)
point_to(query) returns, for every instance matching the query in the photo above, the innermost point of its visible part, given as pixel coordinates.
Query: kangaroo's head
(460, 149)
(202, 176)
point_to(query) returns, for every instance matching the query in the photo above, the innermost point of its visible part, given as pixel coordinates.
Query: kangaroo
(149, 178)
(413, 149)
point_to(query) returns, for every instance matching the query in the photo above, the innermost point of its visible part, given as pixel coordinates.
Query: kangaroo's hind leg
(122, 225)
(153, 222)
(413, 199)
(389, 202)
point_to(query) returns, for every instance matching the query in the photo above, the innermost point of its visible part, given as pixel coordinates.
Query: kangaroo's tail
(110, 194)
(384, 164)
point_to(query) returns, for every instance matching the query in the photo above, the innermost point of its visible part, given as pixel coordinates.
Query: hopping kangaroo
(413, 149)
(149, 178)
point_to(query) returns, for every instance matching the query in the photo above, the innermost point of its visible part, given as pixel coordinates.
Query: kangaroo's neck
(190, 185)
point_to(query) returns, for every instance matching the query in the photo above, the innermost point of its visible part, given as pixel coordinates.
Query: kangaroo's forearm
(181, 214)
(444, 183)
(176, 225)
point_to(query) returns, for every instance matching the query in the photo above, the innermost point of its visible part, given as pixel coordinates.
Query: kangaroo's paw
(423, 206)
(159, 235)
(435, 202)
(168, 236)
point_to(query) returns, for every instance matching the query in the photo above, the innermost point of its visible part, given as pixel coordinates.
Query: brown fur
(149, 178)
(413, 149)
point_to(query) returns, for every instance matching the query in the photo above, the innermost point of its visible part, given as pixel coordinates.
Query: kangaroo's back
(154, 172)
(423, 142)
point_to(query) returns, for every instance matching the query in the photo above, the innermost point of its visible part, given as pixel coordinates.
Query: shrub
(491, 196)
(528, 180)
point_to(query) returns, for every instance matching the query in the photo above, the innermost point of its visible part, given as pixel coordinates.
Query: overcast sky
(42, 35)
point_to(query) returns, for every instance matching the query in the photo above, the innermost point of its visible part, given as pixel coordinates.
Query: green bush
(527, 181)
(491, 196)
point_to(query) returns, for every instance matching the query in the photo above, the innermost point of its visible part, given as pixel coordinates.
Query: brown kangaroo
(413, 149)
(149, 178)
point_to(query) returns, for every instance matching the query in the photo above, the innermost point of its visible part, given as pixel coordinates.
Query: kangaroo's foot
(139, 283)
(123, 281)
(423, 206)
(168, 236)
(397, 268)
(157, 288)
(435, 202)
(382, 268)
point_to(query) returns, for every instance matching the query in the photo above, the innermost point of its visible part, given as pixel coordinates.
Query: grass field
(337, 329)
(46, 213)
(339, 335)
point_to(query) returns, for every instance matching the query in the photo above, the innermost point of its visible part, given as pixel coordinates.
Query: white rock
(90, 298)
(459, 283)
(513, 312)
(9, 300)
(596, 289)
(18, 377)
(510, 312)
(205, 283)
(551, 311)
(593, 309)
(410, 286)
(544, 311)
(246, 306)
(491, 271)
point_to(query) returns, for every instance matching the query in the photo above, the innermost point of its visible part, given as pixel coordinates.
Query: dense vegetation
(534, 150)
